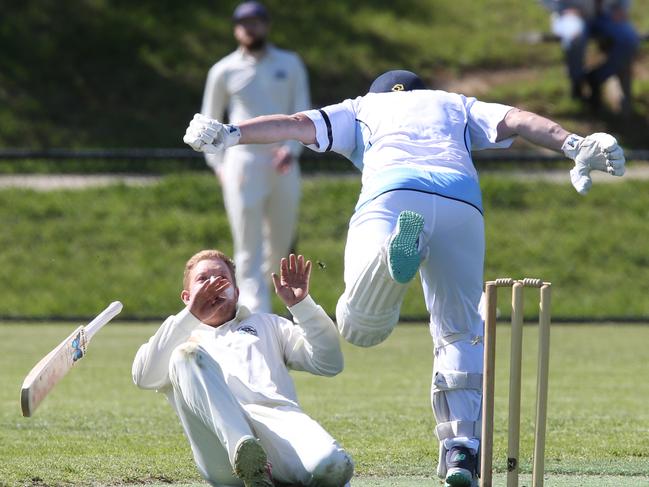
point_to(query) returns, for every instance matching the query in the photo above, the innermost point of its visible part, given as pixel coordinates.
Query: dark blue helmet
(397, 80)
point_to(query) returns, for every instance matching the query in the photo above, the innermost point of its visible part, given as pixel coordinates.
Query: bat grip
(102, 318)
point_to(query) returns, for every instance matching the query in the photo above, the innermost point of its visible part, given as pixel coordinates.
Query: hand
(292, 286)
(210, 136)
(207, 303)
(599, 152)
(282, 160)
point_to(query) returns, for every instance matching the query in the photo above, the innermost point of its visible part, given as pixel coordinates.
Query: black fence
(166, 160)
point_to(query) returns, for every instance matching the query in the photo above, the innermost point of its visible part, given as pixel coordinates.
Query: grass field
(69, 253)
(97, 428)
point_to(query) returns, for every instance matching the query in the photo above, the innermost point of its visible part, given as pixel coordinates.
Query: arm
(313, 345)
(151, 365)
(598, 151)
(332, 128)
(533, 128)
(276, 128)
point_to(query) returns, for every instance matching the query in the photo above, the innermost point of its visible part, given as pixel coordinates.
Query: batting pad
(368, 310)
(447, 427)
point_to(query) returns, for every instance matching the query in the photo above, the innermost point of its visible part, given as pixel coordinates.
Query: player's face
(251, 33)
(226, 301)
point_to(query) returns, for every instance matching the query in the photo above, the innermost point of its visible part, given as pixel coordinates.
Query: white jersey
(247, 87)
(419, 140)
(255, 352)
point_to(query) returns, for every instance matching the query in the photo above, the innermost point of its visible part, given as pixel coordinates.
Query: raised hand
(292, 285)
(208, 302)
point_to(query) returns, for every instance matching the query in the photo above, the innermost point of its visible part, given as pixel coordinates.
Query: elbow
(306, 128)
(137, 379)
(333, 367)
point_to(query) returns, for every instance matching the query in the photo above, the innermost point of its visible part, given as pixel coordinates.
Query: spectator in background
(261, 183)
(577, 21)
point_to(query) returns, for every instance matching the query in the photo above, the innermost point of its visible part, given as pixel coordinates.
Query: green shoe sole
(403, 254)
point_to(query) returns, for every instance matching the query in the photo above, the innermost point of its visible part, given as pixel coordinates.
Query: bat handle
(102, 318)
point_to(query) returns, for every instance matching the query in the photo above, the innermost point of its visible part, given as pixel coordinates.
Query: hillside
(81, 73)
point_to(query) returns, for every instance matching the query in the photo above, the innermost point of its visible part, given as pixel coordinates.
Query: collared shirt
(246, 86)
(254, 351)
(419, 140)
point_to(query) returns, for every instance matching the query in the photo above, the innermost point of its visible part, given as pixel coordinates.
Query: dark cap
(246, 10)
(397, 80)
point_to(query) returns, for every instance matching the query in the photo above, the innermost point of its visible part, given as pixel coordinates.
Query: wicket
(486, 448)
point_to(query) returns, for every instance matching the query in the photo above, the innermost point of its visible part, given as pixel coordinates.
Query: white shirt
(419, 140)
(255, 352)
(247, 87)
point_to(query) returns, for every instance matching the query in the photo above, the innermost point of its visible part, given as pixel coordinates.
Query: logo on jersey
(398, 87)
(247, 329)
(280, 74)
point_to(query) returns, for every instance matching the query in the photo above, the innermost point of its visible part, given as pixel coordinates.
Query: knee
(334, 470)
(364, 329)
(189, 353)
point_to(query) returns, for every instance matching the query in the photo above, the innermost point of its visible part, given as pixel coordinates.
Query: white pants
(299, 449)
(262, 207)
(452, 246)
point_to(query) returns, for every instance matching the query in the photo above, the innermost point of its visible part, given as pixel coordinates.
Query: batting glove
(210, 136)
(599, 152)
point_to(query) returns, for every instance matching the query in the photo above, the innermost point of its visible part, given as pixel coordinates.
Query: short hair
(210, 254)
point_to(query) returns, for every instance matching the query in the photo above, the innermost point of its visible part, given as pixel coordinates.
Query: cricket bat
(53, 367)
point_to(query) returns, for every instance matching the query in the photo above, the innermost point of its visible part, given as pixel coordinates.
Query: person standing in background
(607, 21)
(261, 182)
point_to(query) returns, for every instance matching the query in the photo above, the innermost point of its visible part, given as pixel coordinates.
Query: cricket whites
(53, 367)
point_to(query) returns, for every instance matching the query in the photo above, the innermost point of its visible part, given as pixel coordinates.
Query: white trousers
(299, 449)
(262, 207)
(452, 246)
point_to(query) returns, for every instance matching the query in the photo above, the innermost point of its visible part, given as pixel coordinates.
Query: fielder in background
(225, 372)
(420, 209)
(261, 183)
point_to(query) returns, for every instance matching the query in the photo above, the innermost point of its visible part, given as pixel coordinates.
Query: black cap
(247, 10)
(397, 80)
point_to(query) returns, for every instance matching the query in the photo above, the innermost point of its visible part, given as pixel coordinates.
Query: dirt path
(50, 182)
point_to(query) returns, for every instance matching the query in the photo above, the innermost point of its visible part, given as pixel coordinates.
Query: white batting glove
(210, 136)
(599, 152)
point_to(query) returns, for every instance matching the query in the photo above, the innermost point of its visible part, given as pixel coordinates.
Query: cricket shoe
(461, 467)
(403, 251)
(251, 464)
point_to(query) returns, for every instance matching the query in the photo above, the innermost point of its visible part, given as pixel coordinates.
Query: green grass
(132, 74)
(97, 428)
(69, 253)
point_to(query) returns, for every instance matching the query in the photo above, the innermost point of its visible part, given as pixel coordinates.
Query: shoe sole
(250, 464)
(403, 254)
(458, 479)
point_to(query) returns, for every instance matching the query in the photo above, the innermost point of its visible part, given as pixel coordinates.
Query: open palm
(292, 285)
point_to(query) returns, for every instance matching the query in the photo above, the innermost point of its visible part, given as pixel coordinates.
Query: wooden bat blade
(56, 364)
(50, 370)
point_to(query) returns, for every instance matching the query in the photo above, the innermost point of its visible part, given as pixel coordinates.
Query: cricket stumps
(486, 447)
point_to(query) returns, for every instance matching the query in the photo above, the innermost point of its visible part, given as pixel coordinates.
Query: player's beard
(257, 44)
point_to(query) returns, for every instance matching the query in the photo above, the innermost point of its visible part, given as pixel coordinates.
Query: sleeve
(215, 100)
(311, 343)
(483, 120)
(151, 365)
(335, 127)
(301, 99)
